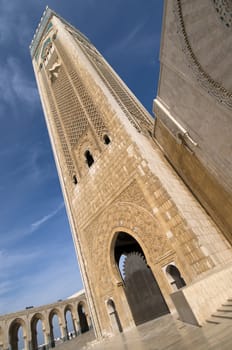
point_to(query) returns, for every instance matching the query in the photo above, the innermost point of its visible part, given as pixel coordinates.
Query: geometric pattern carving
(71, 111)
(76, 110)
(46, 48)
(132, 219)
(86, 142)
(90, 109)
(54, 70)
(132, 261)
(224, 10)
(133, 194)
(207, 82)
(59, 129)
(135, 114)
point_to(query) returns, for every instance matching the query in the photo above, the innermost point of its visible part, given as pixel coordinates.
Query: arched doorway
(17, 334)
(69, 321)
(84, 327)
(142, 291)
(176, 280)
(37, 331)
(114, 318)
(54, 324)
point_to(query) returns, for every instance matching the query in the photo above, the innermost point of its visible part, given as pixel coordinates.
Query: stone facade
(28, 318)
(121, 193)
(194, 102)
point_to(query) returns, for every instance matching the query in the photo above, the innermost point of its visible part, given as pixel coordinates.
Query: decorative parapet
(40, 30)
(42, 26)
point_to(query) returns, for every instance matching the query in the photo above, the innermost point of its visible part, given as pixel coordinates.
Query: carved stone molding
(54, 71)
(86, 142)
(224, 10)
(133, 194)
(134, 220)
(213, 87)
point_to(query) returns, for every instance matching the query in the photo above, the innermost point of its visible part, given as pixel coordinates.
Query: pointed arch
(37, 320)
(81, 309)
(69, 316)
(13, 333)
(55, 330)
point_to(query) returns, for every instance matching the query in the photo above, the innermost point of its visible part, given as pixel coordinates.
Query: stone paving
(164, 333)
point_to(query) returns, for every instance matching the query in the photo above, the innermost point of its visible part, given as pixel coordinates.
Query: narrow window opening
(106, 139)
(75, 179)
(89, 158)
(177, 280)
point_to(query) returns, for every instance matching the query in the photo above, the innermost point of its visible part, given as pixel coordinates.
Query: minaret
(139, 234)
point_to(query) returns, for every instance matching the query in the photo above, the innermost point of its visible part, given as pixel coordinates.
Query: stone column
(74, 325)
(47, 339)
(63, 330)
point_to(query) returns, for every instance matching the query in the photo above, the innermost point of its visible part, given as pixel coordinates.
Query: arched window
(115, 321)
(177, 280)
(89, 158)
(84, 327)
(74, 178)
(106, 139)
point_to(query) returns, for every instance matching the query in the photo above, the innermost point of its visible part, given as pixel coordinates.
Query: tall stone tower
(140, 236)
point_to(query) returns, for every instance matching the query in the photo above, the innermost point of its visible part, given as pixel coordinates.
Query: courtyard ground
(165, 333)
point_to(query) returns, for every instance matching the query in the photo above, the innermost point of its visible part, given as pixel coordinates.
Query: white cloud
(5, 20)
(13, 261)
(125, 42)
(12, 17)
(20, 233)
(58, 281)
(5, 287)
(136, 43)
(35, 225)
(14, 84)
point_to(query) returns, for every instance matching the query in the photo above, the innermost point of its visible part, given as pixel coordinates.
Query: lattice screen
(59, 129)
(70, 109)
(129, 105)
(91, 111)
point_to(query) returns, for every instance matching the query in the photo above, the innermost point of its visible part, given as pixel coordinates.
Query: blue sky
(37, 258)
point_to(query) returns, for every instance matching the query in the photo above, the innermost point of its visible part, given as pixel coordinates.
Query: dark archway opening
(16, 338)
(178, 281)
(55, 332)
(89, 158)
(106, 139)
(84, 327)
(37, 333)
(70, 325)
(141, 288)
(74, 179)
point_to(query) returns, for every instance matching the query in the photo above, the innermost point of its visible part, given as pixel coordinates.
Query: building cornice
(46, 16)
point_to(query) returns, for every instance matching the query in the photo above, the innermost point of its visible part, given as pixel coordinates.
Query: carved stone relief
(133, 194)
(54, 71)
(131, 218)
(224, 10)
(86, 142)
(207, 82)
